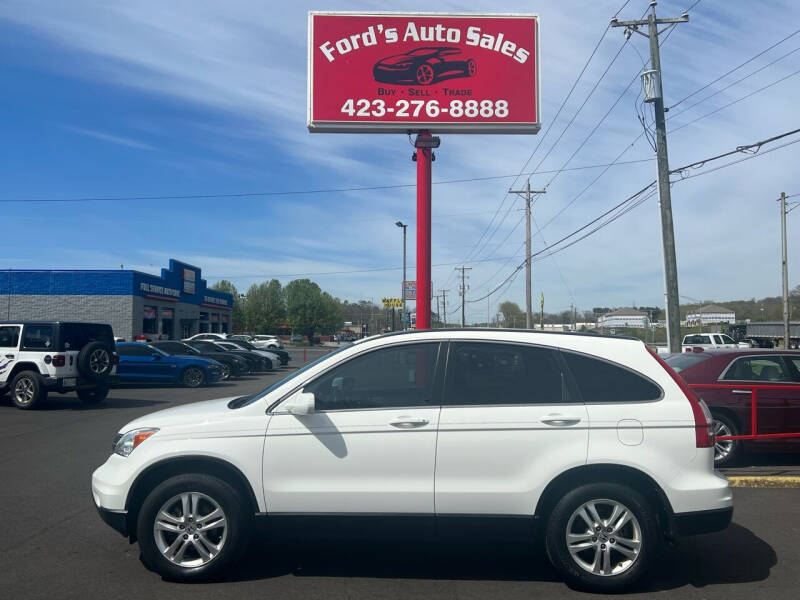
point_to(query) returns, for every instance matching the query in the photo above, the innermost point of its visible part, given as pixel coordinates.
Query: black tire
(268, 365)
(95, 361)
(226, 371)
(726, 453)
(231, 546)
(193, 377)
(95, 395)
(558, 527)
(27, 390)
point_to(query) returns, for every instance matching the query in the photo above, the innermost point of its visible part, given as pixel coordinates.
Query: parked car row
(262, 342)
(193, 363)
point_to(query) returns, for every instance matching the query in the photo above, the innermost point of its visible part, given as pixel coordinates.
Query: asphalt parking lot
(54, 545)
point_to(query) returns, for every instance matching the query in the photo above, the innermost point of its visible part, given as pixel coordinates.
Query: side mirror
(302, 403)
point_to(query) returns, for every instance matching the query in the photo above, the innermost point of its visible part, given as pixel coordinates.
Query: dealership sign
(447, 73)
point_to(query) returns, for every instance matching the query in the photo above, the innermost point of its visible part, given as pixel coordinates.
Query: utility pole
(653, 92)
(438, 314)
(785, 273)
(444, 306)
(463, 291)
(527, 193)
(541, 313)
(403, 291)
(488, 308)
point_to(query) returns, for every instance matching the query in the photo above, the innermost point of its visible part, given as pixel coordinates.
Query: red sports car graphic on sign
(423, 66)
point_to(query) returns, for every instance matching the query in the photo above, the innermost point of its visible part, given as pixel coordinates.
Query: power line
(309, 192)
(724, 75)
(761, 89)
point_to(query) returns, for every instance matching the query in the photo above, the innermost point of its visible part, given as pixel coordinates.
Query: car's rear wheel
(27, 390)
(726, 452)
(193, 377)
(93, 395)
(602, 537)
(191, 526)
(472, 68)
(425, 74)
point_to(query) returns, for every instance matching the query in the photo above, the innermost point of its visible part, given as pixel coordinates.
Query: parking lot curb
(765, 481)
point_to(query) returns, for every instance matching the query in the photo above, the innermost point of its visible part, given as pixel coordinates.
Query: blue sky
(193, 97)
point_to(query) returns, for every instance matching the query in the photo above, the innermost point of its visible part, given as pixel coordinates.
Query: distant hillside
(752, 309)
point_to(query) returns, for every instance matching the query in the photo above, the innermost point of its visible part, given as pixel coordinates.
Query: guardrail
(754, 389)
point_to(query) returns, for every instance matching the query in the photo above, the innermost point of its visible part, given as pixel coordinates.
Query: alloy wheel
(226, 371)
(193, 377)
(604, 537)
(24, 391)
(99, 361)
(190, 529)
(722, 448)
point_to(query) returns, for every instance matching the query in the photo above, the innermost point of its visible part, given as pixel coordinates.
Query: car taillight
(703, 429)
(59, 360)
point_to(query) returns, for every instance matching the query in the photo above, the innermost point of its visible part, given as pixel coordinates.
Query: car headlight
(125, 443)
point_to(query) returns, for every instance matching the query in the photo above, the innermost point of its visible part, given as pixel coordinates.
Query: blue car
(140, 363)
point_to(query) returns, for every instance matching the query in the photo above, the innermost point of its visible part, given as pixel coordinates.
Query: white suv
(592, 441)
(37, 357)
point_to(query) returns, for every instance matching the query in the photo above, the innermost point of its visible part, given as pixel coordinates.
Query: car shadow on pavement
(55, 402)
(735, 555)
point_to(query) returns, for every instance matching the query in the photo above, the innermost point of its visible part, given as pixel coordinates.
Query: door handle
(9, 356)
(560, 420)
(748, 392)
(408, 422)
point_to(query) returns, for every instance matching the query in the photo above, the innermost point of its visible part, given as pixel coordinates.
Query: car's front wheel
(602, 537)
(193, 377)
(27, 390)
(191, 526)
(226, 371)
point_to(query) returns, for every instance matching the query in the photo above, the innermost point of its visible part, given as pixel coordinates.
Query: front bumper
(702, 521)
(116, 519)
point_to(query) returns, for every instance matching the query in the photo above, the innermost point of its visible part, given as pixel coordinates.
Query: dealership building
(174, 305)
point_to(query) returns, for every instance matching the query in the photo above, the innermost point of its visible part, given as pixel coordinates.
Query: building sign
(392, 302)
(410, 290)
(449, 73)
(188, 281)
(159, 290)
(216, 301)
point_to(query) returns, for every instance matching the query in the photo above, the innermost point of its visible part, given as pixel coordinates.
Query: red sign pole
(424, 155)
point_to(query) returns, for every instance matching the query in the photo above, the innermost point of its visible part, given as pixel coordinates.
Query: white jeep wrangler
(43, 356)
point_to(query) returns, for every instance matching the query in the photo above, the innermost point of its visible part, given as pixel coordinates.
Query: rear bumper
(63, 384)
(702, 521)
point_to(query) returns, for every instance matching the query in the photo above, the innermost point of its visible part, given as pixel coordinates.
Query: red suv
(778, 410)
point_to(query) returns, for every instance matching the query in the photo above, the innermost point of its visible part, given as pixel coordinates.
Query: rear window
(74, 336)
(602, 381)
(697, 339)
(679, 362)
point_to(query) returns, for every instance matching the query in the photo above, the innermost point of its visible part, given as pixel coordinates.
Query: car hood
(209, 411)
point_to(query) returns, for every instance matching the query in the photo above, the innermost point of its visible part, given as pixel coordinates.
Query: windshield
(247, 400)
(679, 362)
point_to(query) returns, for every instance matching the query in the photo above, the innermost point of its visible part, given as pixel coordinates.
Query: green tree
(332, 321)
(512, 314)
(265, 307)
(237, 312)
(305, 307)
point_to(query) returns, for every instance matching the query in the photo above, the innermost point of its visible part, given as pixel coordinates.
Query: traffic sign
(410, 290)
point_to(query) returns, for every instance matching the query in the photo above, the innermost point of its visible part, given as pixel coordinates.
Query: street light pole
(403, 290)
(784, 274)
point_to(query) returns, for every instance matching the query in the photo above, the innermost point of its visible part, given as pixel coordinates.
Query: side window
(9, 337)
(795, 360)
(757, 368)
(602, 381)
(134, 350)
(487, 373)
(37, 337)
(717, 339)
(395, 377)
(727, 340)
